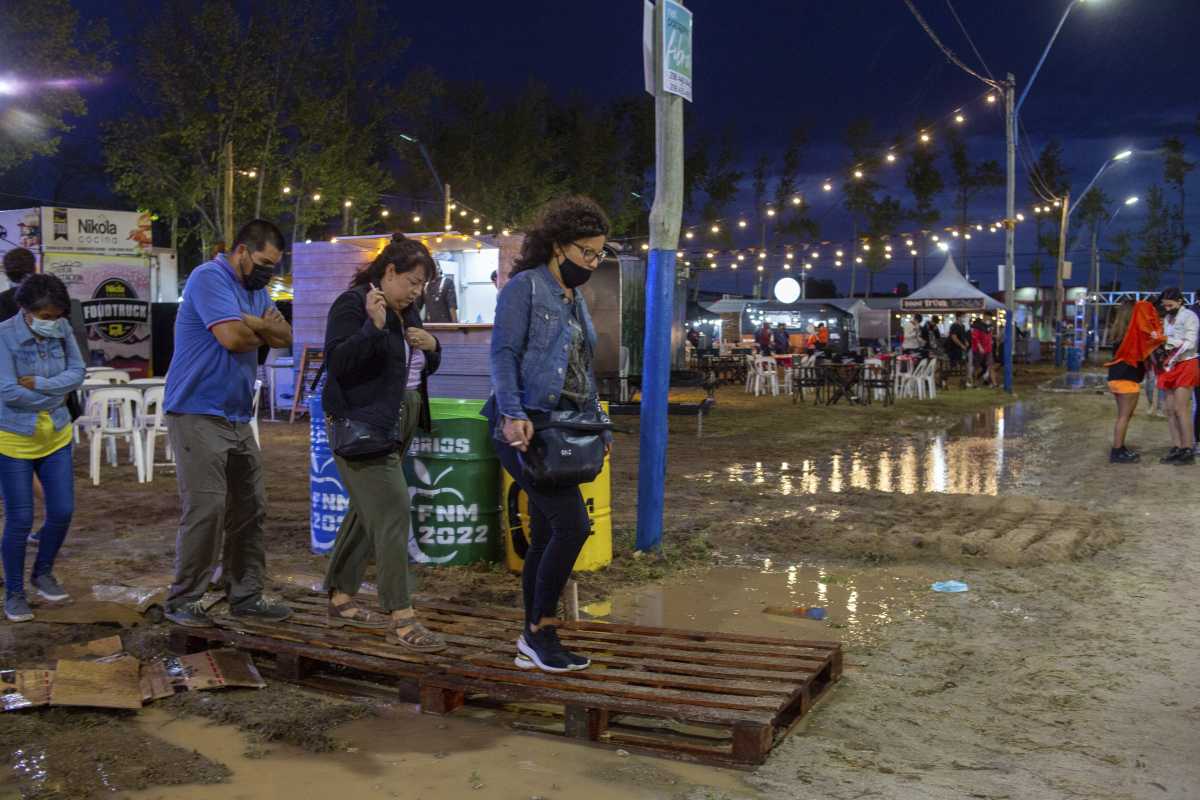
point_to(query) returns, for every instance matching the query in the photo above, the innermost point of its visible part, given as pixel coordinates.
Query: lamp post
(1011, 111)
(1095, 282)
(442, 188)
(1069, 208)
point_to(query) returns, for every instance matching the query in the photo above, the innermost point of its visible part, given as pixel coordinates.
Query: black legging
(559, 527)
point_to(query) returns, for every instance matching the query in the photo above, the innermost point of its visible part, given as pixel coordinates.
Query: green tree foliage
(1049, 177)
(1157, 241)
(970, 180)
(924, 181)
(294, 86)
(1175, 170)
(793, 220)
(877, 216)
(48, 52)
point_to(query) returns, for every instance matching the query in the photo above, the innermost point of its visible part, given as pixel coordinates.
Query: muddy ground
(1068, 669)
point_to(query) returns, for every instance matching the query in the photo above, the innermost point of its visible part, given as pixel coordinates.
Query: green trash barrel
(454, 487)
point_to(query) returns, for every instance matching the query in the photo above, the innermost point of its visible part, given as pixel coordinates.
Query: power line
(946, 50)
(970, 41)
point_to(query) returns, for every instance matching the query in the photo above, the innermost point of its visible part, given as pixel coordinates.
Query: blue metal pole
(656, 379)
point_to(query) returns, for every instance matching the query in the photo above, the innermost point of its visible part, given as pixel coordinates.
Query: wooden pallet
(714, 698)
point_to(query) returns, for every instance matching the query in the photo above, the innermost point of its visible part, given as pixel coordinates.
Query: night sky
(1123, 74)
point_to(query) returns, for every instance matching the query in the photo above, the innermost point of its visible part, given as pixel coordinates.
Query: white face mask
(46, 328)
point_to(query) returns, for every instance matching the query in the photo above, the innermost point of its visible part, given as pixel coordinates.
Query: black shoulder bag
(568, 448)
(354, 440)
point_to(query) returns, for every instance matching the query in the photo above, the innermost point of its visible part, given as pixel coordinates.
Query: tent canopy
(949, 291)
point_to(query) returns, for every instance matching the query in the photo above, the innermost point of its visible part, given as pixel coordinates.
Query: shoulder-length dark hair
(41, 291)
(404, 254)
(560, 222)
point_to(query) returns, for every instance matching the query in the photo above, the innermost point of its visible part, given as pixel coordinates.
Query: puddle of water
(404, 754)
(858, 602)
(981, 455)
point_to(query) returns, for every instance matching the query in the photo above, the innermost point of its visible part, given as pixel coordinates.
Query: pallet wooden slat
(700, 696)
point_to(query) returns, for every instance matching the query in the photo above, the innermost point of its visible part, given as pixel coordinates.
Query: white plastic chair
(111, 376)
(915, 382)
(154, 422)
(254, 412)
(123, 423)
(750, 371)
(765, 376)
(929, 379)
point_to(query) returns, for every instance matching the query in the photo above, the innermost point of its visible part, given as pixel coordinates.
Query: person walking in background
(910, 328)
(1138, 329)
(780, 342)
(440, 299)
(225, 317)
(1180, 375)
(957, 342)
(39, 367)
(981, 350)
(931, 334)
(822, 336)
(765, 339)
(541, 355)
(379, 362)
(19, 264)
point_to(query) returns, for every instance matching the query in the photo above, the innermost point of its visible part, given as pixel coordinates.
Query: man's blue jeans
(56, 474)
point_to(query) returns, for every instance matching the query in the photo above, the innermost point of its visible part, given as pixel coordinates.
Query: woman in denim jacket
(542, 346)
(39, 366)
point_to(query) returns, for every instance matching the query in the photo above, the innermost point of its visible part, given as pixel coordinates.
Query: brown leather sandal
(419, 639)
(358, 618)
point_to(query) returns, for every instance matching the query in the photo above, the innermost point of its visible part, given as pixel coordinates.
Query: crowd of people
(961, 340)
(379, 357)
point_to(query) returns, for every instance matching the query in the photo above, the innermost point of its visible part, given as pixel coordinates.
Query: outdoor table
(843, 379)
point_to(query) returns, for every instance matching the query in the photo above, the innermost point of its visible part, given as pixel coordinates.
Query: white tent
(949, 291)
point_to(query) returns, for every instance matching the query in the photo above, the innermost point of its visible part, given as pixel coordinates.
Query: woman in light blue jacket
(40, 366)
(541, 356)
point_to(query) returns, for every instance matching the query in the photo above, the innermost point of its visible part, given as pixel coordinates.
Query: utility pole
(1010, 233)
(449, 212)
(1094, 287)
(665, 217)
(227, 221)
(1060, 299)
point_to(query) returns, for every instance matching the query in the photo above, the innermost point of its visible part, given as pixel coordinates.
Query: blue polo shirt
(205, 378)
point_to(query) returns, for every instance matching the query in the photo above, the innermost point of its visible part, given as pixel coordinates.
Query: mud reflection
(981, 455)
(858, 602)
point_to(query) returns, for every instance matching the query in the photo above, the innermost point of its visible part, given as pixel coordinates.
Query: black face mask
(573, 275)
(260, 275)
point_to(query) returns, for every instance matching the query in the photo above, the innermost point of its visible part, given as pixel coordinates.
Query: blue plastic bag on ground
(949, 586)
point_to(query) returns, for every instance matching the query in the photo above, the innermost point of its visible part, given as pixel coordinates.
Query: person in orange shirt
(1140, 331)
(822, 336)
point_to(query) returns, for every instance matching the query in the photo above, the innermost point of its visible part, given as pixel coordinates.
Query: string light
(690, 235)
(796, 200)
(1020, 217)
(790, 255)
(837, 263)
(453, 206)
(347, 204)
(978, 227)
(416, 218)
(858, 173)
(252, 174)
(333, 240)
(839, 254)
(741, 257)
(924, 138)
(954, 234)
(827, 186)
(887, 248)
(934, 237)
(762, 254)
(741, 223)
(913, 251)
(462, 213)
(308, 241)
(960, 119)
(760, 267)
(287, 190)
(991, 98)
(867, 246)
(489, 227)
(716, 229)
(891, 158)
(475, 221)
(447, 228)
(645, 246)
(908, 242)
(317, 197)
(385, 213)
(858, 259)
(787, 267)
(943, 246)
(504, 232)
(770, 212)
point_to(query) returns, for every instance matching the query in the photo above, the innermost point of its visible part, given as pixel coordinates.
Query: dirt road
(1068, 670)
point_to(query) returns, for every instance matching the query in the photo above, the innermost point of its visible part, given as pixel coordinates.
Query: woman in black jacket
(379, 359)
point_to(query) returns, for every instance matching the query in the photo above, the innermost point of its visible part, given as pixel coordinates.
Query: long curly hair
(404, 254)
(560, 222)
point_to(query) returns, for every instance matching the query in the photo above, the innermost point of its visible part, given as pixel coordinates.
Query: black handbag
(568, 448)
(74, 405)
(353, 440)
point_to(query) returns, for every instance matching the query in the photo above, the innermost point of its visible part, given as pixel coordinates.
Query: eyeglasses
(590, 256)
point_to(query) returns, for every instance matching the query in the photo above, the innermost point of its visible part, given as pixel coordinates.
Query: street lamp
(442, 188)
(1121, 156)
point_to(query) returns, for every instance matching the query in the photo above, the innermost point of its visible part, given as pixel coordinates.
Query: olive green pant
(377, 522)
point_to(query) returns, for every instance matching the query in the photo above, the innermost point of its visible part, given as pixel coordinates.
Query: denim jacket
(56, 366)
(531, 343)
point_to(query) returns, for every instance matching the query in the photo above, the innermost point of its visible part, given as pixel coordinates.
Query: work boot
(259, 607)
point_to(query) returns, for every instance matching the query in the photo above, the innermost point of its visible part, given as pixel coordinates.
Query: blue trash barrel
(1074, 359)
(329, 497)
